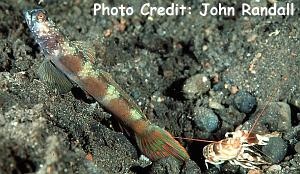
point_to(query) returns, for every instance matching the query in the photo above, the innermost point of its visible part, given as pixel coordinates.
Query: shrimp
(235, 147)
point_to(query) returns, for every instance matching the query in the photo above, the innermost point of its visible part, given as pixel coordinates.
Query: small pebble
(229, 168)
(218, 86)
(295, 101)
(144, 158)
(278, 116)
(244, 102)
(88, 167)
(234, 89)
(195, 86)
(276, 149)
(293, 135)
(205, 119)
(190, 167)
(215, 105)
(274, 168)
(2, 121)
(284, 111)
(254, 171)
(216, 78)
(297, 147)
(165, 165)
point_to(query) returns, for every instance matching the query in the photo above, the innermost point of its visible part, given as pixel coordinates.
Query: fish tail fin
(157, 143)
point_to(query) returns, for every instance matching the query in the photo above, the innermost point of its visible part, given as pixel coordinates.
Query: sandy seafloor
(151, 58)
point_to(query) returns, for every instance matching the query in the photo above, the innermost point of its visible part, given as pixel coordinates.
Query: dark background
(41, 131)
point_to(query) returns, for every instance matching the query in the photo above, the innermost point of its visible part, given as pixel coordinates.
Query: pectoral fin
(54, 78)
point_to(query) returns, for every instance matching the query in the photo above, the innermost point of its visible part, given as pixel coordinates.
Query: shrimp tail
(157, 143)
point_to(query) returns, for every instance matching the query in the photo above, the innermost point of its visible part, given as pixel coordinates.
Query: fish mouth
(28, 17)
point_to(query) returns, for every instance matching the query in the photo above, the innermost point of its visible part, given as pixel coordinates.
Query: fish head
(44, 30)
(38, 22)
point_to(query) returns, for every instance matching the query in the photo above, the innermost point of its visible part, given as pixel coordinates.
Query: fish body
(72, 62)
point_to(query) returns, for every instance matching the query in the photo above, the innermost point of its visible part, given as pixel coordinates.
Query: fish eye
(40, 16)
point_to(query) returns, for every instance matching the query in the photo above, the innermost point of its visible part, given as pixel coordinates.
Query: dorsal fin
(86, 48)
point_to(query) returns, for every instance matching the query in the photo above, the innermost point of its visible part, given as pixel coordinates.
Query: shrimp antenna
(194, 139)
(264, 109)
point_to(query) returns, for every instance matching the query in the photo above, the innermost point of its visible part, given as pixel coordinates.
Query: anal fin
(54, 78)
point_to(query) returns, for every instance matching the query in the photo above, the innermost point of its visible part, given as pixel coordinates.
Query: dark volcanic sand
(43, 132)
